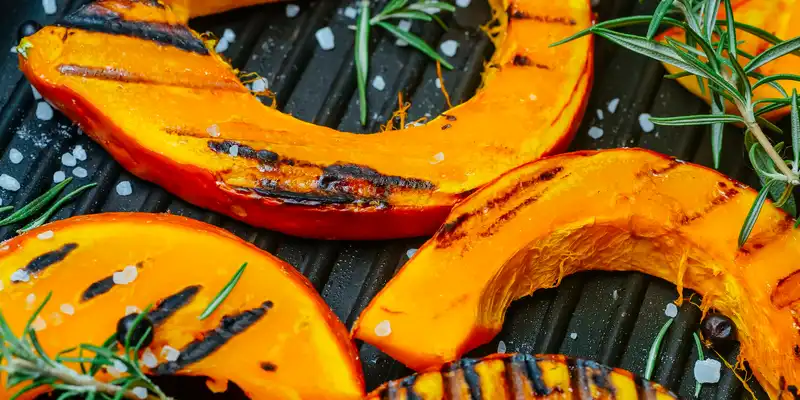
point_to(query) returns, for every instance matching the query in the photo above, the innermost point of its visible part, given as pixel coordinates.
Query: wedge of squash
(186, 9)
(173, 112)
(780, 18)
(522, 377)
(273, 335)
(616, 210)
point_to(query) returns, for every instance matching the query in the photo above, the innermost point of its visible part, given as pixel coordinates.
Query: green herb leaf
(763, 165)
(411, 14)
(717, 129)
(393, 5)
(774, 78)
(55, 207)
(658, 15)
(652, 356)
(742, 79)
(752, 216)
(678, 75)
(731, 23)
(795, 118)
(222, 295)
(361, 55)
(700, 355)
(777, 51)
(769, 125)
(710, 18)
(37, 204)
(696, 120)
(416, 42)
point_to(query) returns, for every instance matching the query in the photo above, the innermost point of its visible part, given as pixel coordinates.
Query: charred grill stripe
(673, 163)
(508, 216)
(97, 288)
(716, 202)
(600, 377)
(121, 75)
(168, 306)
(268, 366)
(45, 260)
(336, 174)
(521, 15)
(578, 380)
(525, 61)
(306, 199)
(408, 384)
(467, 367)
(534, 375)
(263, 156)
(213, 340)
(391, 391)
(95, 18)
(513, 375)
(644, 388)
(574, 91)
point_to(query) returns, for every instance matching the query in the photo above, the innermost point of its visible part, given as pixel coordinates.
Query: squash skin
(313, 181)
(615, 210)
(779, 17)
(521, 377)
(296, 334)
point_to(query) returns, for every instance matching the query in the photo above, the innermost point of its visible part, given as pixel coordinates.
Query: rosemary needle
(652, 356)
(37, 204)
(701, 357)
(223, 294)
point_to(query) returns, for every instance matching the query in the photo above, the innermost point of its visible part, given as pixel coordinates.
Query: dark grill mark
(797, 351)
(336, 175)
(446, 127)
(467, 367)
(305, 199)
(525, 61)
(451, 118)
(96, 289)
(45, 260)
(408, 383)
(645, 389)
(269, 367)
(716, 202)
(213, 340)
(518, 14)
(600, 377)
(659, 171)
(578, 380)
(168, 306)
(529, 366)
(245, 151)
(785, 292)
(95, 18)
(492, 229)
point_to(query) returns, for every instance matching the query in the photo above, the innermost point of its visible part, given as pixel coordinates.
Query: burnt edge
(95, 18)
(336, 173)
(45, 260)
(521, 60)
(170, 305)
(245, 151)
(529, 367)
(600, 376)
(793, 276)
(214, 339)
(515, 14)
(471, 377)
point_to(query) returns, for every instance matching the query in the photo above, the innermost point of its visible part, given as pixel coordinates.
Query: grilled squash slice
(615, 210)
(522, 377)
(266, 336)
(186, 9)
(173, 112)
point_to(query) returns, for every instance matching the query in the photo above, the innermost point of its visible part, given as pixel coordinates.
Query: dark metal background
(319, 86)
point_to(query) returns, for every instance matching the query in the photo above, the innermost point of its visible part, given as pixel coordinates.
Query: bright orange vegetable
(174, 113)
(616, 210)
(273, 335)
(196, 8)
(781, 18)
(522, 377)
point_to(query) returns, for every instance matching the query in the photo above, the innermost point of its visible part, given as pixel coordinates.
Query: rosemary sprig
(25, 362)
(423, 10)
(223, 294)
(712, 54)
(31, 209)
(652, 355)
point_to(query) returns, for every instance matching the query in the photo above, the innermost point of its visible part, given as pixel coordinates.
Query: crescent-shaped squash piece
(615, 210)
(781, 18)
(522, 377)
(266, 336)
(174, 113)
(186, 9)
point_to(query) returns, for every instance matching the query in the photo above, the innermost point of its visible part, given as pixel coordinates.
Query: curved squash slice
(174, 113)
(186, 9)
(266, 336)
(522, 377)
(616, 210)
(781, 18)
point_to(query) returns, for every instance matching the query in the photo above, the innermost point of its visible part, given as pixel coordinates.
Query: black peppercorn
(125, 324)
(719, 330)
(28, 28)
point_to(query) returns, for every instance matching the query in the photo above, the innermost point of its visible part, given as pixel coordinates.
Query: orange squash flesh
(197, 8)
(170, 111)
(778, 17)
(295, 348)
(615, 210)
(522, 377)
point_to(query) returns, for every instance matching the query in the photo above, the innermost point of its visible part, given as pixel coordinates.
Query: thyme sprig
(26, 365)
(423, 10)
(712, 54)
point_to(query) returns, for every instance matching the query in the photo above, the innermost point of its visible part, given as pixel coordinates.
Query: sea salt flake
(80, 172)
(124, 188)
(573, 335)
(120, 366)
(39, 324)
(139, 392)
(612, 105)
(45, 235)
(149, 359)
(132, 310)
(9, 183)
(68, 160)
(292, 10)
(15, 156)
(13, 49)
(49, 6)
(449, 47)
(233, 150)
(213, 130)
(532, 97)
(36, 94)
(645, 123)
(404, 25)
(600, 114)
(222, 45)
(707, 371)
(378, 83)
(126, 276)
(350, 12)
(437, 158)
(438, 83)
(325, 38)
(383, 329)
(113, 372)
(43, 111)
(260, 85)
(30, 299)
(671, 310)
(595, 132)
(67, 309)
(463, 3)
(20, 275)
(79, 153)
(501, 347)
(170, 353)
(615, 294)
(59, 176)
(410, 252)
(229, 35)
(2, 286)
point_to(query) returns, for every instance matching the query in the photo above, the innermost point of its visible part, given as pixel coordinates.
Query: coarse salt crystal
(120, 366)
(378, 83)
(79, 153)
(325, 38)
(233, 150)
(149, 359)
(350, 12)
(13, 49)
(707, 371)
(9, 183)
(59, 176)
(229, 35)
(384, 328)
(615, 294)
(67, 309)
(438, 83)
(410, 252)
(404, 25)
(20, 275)
(612, 105)
(449, 47)
(573, 335)
(30, 299)
(222, 45)
(124, 188)
(43, 111)
(132, 310)
(213, 130)
(595, 132)
(437, 158)
(45, 235)
(501, 347)
(49, 6)
(671, 310)
(139, 392)
(39, 324)
(2, 286)
(645, 123)
(532, 97)
(170, 353)
(36, 94)
(600, 114)
(463, 3)
(80, 172)
(292, 10)
(68, 160)
(126, 276)
(260, 85)
(15, 156)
